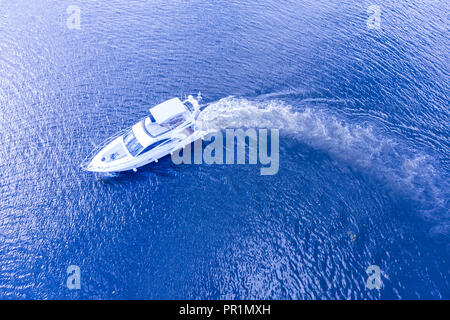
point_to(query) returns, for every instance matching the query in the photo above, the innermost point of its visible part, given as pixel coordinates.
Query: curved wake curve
(360, 145)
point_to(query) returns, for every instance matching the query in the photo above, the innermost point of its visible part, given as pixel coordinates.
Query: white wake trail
(360, 145)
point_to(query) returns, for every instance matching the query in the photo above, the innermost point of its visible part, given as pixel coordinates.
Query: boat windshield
(132, 144)
(153, 129)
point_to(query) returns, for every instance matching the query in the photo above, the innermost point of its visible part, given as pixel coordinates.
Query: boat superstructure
(170, 126)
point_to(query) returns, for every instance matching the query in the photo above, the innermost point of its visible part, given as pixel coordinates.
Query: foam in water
(360, 145)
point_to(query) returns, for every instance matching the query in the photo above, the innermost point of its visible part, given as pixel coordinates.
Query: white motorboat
(170, 126)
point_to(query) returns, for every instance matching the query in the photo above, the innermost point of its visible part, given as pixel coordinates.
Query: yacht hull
(140, 161)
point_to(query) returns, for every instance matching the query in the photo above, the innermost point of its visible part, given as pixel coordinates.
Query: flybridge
(167, 110)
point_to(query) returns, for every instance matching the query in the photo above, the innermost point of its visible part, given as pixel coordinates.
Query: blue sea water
(364, 150)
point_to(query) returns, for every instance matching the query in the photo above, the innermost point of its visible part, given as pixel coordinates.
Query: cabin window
(131, 143)
(154, 145)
